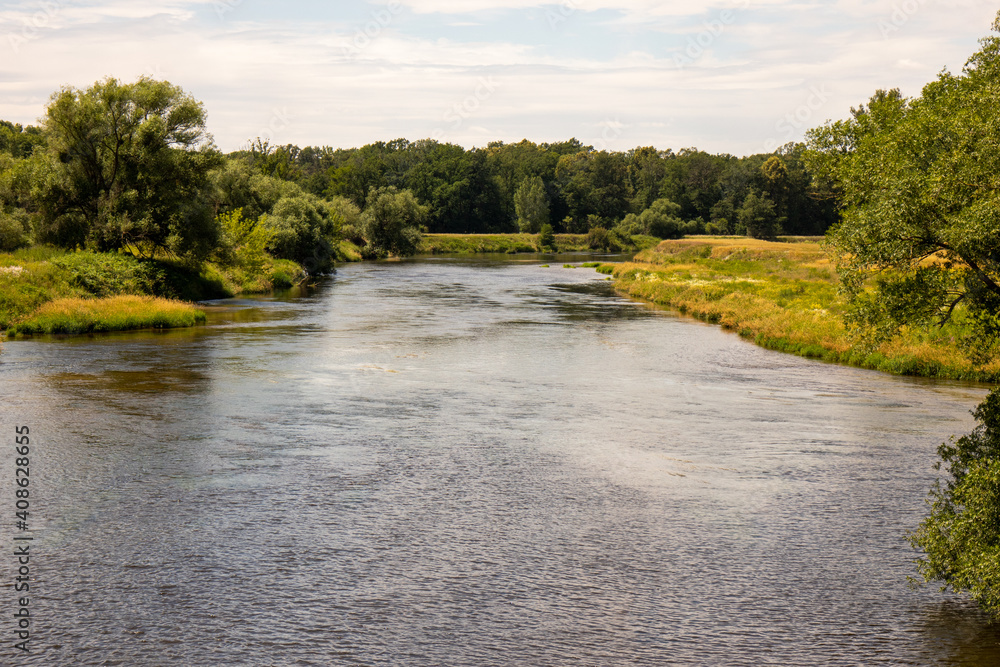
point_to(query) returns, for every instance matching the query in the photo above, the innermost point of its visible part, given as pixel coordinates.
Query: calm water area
(472, 462)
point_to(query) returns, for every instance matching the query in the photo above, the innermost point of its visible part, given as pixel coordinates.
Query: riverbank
(782, 296)
(469, 244)
(45, 290)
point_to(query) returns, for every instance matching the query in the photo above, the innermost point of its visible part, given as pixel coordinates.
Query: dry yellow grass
(782, 296)
(116, 313)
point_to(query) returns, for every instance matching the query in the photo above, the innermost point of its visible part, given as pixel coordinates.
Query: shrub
(391, 222)
(961, 535)
(546, 239)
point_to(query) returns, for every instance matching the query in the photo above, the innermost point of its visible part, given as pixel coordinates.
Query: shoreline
(782, 297)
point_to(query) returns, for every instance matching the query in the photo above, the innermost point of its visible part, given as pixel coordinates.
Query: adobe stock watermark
(712, 30)
(901, 15)
(154, 72)
(793, 124)
(34, 24)
(280, 121)
(370, 31)
(610, 131)
(223, 7)
(556, 17)
(467, 108)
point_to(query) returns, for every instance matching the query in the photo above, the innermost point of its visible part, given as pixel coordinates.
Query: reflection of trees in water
(961, 630)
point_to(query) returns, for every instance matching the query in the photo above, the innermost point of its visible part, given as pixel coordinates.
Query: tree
(961, 536)
(593, 183)
(302, 229)
(129, 169)
(532, 205)
(919, 243)
(920, 234)
(390, 223)
(546, 239)
(758, 218)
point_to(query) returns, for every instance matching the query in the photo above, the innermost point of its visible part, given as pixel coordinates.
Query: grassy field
(782, 296)
(88, 283)
(464, 244)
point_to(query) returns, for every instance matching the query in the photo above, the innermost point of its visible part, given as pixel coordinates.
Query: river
(472, 462)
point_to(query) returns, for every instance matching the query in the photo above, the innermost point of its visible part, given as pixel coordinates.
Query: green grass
(782, 296)
(34, 277)
(116, 313)
(452, 244)
(466, 244)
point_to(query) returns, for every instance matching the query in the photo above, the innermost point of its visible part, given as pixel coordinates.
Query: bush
(961, 536)
(391, 222)
(599, 238)
(546, 239)
(303, 231)
(660, 220)
(13, 231)
(108, 274)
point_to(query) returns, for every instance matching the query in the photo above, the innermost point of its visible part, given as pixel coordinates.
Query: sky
(736, 76)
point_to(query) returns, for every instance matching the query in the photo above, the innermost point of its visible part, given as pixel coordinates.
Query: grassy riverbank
(116, 313)
(782, 296)
(468, 244)
(44, 290)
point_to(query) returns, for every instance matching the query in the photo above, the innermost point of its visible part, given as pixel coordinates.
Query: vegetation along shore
(785, 296)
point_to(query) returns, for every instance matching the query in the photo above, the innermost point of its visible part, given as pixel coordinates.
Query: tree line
(131, 166)
(510, 187)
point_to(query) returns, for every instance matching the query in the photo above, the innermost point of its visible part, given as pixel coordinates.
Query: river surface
(457, 462)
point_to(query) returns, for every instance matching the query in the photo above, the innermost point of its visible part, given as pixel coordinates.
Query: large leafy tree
(920, 243)
(920, 182)
(531, 205)
(129, 168)
(391, 221)
(595, 186)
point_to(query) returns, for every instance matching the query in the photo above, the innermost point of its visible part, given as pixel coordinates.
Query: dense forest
(131, 167)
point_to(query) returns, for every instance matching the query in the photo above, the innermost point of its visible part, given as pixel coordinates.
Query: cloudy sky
(734, 76)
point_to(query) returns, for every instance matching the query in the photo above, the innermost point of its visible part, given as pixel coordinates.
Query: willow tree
(128, 168)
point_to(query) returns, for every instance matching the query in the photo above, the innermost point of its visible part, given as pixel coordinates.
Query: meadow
(783, 296)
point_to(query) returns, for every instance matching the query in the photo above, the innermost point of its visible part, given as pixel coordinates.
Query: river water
(456, 462)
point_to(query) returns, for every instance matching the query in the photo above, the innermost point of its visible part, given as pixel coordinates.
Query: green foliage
(599, 238)
(532, 205)
(238, 186)
(661, 220)
(301, 229)
(546, 239)
(15, 229)
(593, 183)
(18, 141)
(391, 222)
(920, 244)
(961, 536)
(128, 167)
(922, 216)
(758, 218)
(105, 274)
(244, 242)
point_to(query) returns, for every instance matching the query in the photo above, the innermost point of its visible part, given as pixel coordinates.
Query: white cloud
(308, 82)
